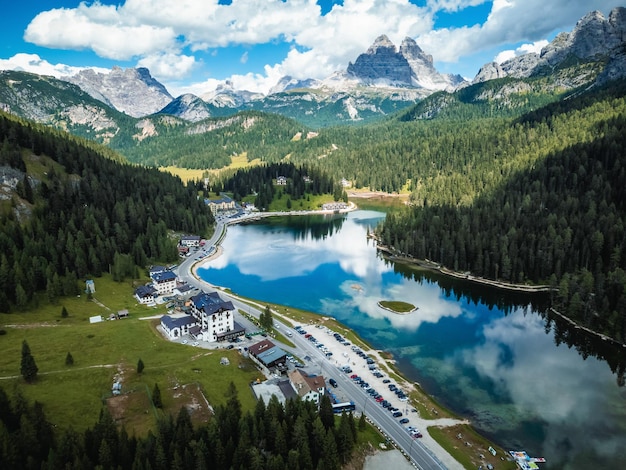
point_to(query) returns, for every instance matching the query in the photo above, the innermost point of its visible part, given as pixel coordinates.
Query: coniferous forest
(560, 222)
(273, 436)
(81, 211)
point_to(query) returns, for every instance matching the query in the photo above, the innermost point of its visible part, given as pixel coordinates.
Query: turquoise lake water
(487, 355)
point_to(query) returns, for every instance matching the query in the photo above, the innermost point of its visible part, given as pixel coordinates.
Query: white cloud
(168, 34)
(34, 64)
(510, 21)
(523, 49)
(168, 66)
(100, 28)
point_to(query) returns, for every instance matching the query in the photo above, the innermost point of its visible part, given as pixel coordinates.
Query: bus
(345, 406)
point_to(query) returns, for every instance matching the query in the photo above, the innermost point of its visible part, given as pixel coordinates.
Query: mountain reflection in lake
(525, 380)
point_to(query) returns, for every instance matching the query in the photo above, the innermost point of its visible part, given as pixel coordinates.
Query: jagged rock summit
(132, 91)
(384, 64)
(594, 37)
(188, 107)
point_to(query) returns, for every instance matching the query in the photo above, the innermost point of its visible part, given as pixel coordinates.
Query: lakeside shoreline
(219, 236)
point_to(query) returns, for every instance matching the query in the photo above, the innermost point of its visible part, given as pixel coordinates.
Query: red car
(379, 399)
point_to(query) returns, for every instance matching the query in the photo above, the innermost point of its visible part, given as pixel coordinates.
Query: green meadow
(108, 351)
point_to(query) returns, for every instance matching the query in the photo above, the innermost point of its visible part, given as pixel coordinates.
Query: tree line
(272, 436)
(80, 211)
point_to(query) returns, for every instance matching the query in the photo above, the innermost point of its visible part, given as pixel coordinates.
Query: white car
(195, 343)
(185, 341)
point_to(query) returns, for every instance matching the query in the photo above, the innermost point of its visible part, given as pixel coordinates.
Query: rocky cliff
(131, 91)
(409, 66)
(594, 38)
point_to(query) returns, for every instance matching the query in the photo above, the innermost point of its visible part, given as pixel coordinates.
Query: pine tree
(69, 360)
(64, 313)
(28, 368)
(156, 396)
(140, 366)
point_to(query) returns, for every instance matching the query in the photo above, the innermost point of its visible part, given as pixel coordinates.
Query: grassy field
(109, 351)
(187, 174)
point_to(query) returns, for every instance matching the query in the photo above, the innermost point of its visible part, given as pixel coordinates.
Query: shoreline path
(342, 354)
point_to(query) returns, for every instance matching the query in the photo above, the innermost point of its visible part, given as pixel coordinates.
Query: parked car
(333, 382)
(404, 420)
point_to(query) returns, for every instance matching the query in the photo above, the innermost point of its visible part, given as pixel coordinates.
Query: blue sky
(193, 45)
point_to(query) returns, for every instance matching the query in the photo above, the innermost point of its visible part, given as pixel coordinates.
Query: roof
(211, 303)
(176, 322)
(163, 276)
(157, 269)
(304, 383)
(261, 346)
(223, 199)
(190, 237)
(184, 288)
(144, 291)
(271, 355)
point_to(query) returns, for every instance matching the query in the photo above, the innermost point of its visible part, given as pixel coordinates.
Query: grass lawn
(108, 351)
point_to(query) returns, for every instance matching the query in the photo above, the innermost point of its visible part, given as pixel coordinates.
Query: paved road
(419, 454)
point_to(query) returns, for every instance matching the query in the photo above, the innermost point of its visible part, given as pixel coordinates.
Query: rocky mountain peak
(384, 64)
(131, 91)
(411, 51)
(594, 37)
(382, 44)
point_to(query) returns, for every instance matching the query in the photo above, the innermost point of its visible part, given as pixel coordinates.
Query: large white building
(164, 282)
(215, 315)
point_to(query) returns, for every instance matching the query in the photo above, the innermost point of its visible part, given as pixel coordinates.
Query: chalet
(164, 282)
(177, 325)
(214, 315)
(281, 180)
(308, 387)
(190, 241)
(145, 294)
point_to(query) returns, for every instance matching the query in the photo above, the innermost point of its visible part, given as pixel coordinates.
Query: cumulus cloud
(523, 49)
(168, 66)
(167, 34)
(34, 64)
(510, 21)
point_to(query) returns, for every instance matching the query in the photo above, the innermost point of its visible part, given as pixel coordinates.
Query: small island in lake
(401, 308)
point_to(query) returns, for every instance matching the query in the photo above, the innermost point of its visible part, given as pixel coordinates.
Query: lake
(524, 379)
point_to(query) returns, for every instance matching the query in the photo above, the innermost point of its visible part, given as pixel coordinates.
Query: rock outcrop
(409, 66)
(131, 91)
(593, 38)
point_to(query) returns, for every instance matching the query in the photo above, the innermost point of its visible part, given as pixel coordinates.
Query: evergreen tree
(156, 396)
(28, 367)
(69, 360)
(140, 366)
(64, 313)
(326, 412)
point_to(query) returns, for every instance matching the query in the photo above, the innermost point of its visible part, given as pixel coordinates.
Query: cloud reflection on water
(573, 398)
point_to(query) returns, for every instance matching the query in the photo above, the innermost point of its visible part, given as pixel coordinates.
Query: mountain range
(381, 81)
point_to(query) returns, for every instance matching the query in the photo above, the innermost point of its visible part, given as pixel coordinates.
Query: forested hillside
(556, 216)
(78, 210)
(209, 143)
(272, 437)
